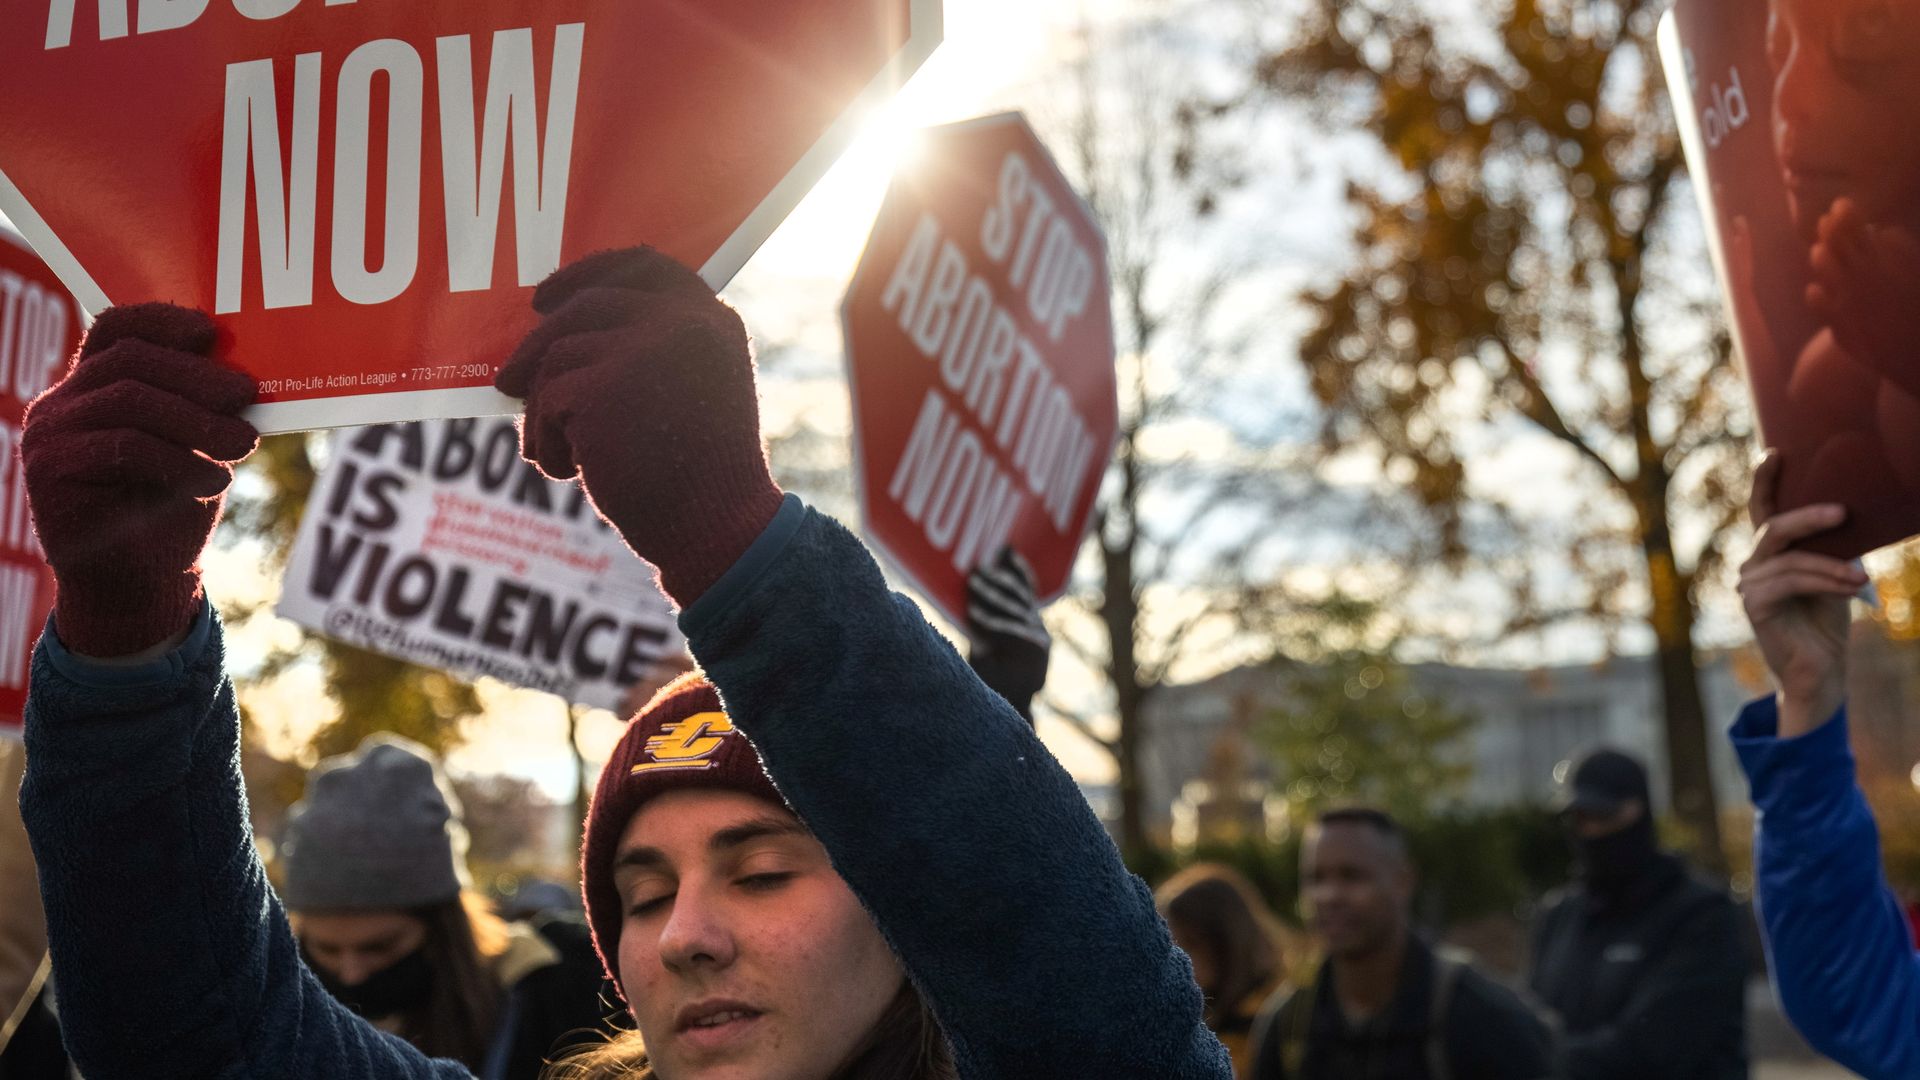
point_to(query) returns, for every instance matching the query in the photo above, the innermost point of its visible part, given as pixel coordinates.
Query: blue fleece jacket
(1837, 942)
(971, 847)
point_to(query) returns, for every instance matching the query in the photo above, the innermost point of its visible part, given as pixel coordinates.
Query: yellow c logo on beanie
(687, 744)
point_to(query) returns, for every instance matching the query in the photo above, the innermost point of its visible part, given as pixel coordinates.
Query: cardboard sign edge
(395, 407)
(40, 238)
(925, 30)
(1672, 53)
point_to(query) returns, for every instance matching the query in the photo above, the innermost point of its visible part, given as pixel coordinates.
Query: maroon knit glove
(122, 462)
(639, 379)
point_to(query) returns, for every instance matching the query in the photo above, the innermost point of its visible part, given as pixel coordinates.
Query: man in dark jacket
(1387, 1006)
(1643, 962)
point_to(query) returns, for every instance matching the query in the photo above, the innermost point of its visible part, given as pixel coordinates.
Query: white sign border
(925, 30)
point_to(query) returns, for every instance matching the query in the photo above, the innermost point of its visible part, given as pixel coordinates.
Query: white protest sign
(436, 544)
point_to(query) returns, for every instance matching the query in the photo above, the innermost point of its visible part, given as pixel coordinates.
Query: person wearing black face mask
(373, 868)
(402, 987)
(1642, 961)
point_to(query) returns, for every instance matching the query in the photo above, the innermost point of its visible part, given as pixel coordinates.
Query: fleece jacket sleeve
(972, 848)
(170, 951)
(1838, 946)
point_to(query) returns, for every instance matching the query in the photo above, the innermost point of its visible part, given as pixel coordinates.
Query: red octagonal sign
(39, 327)
(979, 348)
(363, 191)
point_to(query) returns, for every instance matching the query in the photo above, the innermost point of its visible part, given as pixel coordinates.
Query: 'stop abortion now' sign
(979, 347)
(363, 192)
(39, 327)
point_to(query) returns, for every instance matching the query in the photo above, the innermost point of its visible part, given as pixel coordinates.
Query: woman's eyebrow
(640, 858)
(652, 858)
(771, 825)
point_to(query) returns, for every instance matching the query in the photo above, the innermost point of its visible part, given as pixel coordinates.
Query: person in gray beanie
(374, 877)
(380, 827)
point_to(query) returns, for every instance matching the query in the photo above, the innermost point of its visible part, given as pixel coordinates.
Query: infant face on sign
(1846, 107)
(1846, 130)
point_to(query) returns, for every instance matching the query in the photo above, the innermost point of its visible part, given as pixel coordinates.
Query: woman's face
(744, 955)
(353, 945)
(1846, 105)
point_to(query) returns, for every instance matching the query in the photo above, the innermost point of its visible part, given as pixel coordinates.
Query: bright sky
(992, 48)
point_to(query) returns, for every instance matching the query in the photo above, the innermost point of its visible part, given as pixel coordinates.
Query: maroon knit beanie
(681, 739)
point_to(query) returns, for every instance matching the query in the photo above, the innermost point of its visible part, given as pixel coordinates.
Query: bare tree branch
(1536, 405)
(1079, 724)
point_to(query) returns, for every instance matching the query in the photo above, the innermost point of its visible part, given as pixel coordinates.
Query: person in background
(23, 928)
(1642, 962)
(1219, 921)
(374, 877)
(1008, 643)
(1837, 942)
(537, 898)
(1386, 1005)
(29, 1029)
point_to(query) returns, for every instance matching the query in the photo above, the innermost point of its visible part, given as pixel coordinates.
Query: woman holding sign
(920, 879)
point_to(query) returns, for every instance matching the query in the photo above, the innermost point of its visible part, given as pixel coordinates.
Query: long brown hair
(464, 937)
(906, 1043)
(1215, 904)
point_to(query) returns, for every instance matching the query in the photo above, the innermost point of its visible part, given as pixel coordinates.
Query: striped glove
(1009, 642)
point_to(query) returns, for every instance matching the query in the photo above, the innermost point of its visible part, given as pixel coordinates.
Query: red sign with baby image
(39, 327)
(1803, 135)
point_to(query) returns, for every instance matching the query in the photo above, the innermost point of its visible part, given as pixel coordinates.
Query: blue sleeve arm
(1837, 942)
(970, 845)
(172, 955)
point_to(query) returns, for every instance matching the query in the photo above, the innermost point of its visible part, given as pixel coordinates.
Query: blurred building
(1530, 721)
(1206, 775)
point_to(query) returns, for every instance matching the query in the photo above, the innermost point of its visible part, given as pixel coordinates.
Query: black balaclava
(1602, 783)
(400, 987)
(1611, 865)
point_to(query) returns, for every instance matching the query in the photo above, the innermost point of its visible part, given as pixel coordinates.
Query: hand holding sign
(1009, 645)
(124, 468)
(1797, 603)
(639, 380)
